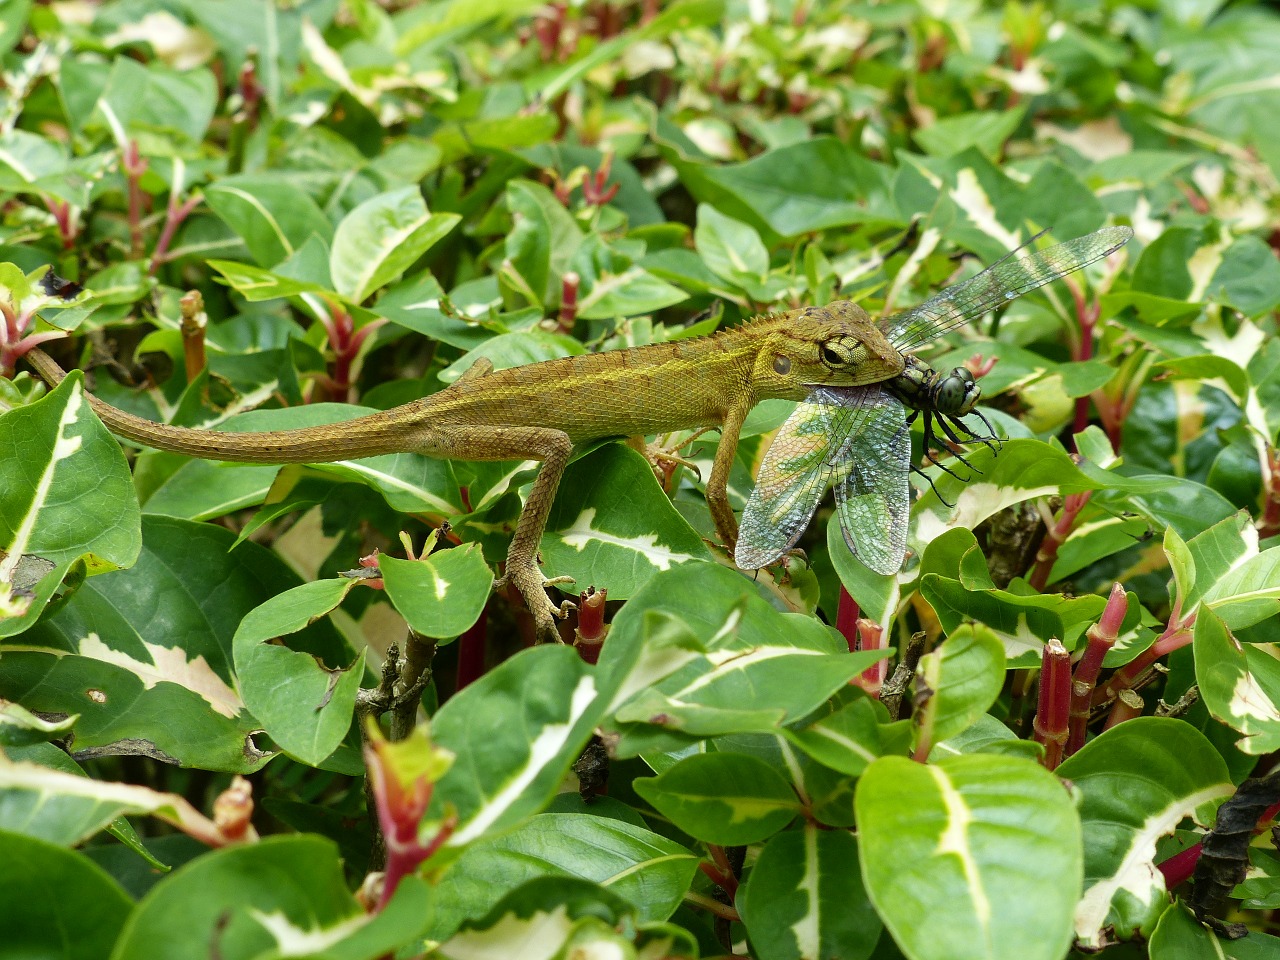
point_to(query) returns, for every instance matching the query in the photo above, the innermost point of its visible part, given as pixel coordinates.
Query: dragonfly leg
(931, 441)
(990, 440)
(929, 480)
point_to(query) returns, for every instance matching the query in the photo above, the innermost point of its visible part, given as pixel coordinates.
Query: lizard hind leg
(553, 447)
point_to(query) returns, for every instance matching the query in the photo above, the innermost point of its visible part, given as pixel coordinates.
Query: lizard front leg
(718, 482)
(553, 448)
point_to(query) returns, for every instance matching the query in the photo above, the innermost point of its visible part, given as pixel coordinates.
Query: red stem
(1177, 634)
(471, 651)
(134, 167)
(871, 637)
(1057, 535)
(591, 626)
(1101, 637)
(1053, 712)
(847, 614)
(176, 213)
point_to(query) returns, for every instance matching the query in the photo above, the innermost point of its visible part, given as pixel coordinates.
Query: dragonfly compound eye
(957, 392)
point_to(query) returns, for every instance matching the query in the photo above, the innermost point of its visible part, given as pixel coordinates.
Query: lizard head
(833, 346)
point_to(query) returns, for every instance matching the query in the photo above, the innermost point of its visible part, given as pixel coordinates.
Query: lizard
(538, 411)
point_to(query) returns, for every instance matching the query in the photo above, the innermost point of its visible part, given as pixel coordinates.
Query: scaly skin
(541, 410)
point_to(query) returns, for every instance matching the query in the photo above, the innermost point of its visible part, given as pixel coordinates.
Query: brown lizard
(540, 410)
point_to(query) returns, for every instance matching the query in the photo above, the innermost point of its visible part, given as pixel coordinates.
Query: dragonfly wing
(873, 495)
(798, 467)
(1020, 272)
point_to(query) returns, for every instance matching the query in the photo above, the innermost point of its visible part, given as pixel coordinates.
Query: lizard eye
(782, 365)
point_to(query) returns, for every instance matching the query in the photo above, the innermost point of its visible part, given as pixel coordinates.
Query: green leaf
(65, 497)
(378, 240)
(985, 129)
(731, 248)
(850, 738)
(271, 214)
(20, 727)
(256, 284)
(81, 923)
(442, 594)
(68, 808)
(1179, 936)
(304, 703)
(542, 242)
(1248, 594)
(723, 798)
(1138, 780)
(206, 490)
(814, 185)
(1023, 470)
(804, 898)
(153, 102)
(626, 294)
(966, 674)
(974, 856)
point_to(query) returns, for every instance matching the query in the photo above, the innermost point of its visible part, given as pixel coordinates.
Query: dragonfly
(858, 439)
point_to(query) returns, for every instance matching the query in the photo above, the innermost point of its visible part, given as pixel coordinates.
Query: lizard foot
(531, 585)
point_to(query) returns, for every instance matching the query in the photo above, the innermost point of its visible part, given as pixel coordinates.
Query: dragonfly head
(837, 345)
(957, 393)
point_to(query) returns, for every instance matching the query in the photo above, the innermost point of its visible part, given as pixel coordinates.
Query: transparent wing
(873, 495)
(1020, 272)
(812, 450)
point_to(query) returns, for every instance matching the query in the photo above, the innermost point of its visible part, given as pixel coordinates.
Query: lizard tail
(367, 436)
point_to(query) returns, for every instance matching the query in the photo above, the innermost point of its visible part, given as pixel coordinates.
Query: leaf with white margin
(759, 668)
(851, 737)
(381, 238)
(515, 733)
(20, 727)
(65, 808)
(1239, 683)
(730, 799)
(613, 525)
(66, 495)
(145, 656)
(1248, 594)
(245, 897)
(1023, 470)
(651, 872)
(546, 919)
(1137, 781)
(1214, 554)
(974, 857)
(804, 898)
